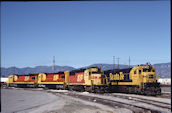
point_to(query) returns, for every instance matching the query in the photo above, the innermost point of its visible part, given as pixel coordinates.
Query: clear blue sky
(83, 33)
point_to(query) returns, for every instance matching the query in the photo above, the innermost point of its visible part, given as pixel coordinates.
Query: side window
(72, 74)
(89, 77)
(153, 70)
(150, 76)
(33, 78)
(140, 71)
(135, 72)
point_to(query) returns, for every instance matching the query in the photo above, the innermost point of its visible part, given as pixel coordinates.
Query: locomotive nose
(151, 76)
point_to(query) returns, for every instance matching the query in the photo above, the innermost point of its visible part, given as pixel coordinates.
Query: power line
(53, 67)
(129, 61)
(14, 69)
(113, 64)
(118, 61)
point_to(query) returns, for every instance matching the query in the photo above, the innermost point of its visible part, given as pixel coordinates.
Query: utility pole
(113, 64)
(129, 61)
(53, 67)
(14, 70)
(118, 61)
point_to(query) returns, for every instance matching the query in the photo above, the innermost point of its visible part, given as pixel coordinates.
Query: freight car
(29, 80)
(140, 79)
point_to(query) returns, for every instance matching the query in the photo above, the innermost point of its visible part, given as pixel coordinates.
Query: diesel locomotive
(141, 79)
(23, 81)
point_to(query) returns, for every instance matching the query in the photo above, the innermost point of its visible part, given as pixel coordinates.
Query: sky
(81, 33)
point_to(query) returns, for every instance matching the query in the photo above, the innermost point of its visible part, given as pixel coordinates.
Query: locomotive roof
(27, 75)
(60, 72)
(117, 71)
(78, 70)
(93, 67)
(81, 70)
(126, 70)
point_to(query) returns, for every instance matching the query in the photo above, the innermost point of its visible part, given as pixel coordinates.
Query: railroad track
(152, 102)
(165, 95)
(134, 104)
(148, 101)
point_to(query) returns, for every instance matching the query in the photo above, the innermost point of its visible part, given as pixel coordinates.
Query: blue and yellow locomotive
(140, 79)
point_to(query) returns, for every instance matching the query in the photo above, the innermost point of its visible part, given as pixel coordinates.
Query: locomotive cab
(11, 80)
(148, 73)
(97, 76)
(146, 79)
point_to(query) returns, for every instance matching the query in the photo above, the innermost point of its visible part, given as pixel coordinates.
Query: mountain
(108, 66)
(28, 70)
(162, 69)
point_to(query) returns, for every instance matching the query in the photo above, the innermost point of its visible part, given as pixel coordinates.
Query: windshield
(146, 70)
(96, 71)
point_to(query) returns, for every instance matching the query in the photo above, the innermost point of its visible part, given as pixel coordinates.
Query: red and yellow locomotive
(51, 80)
(29, 80)
(90, 79)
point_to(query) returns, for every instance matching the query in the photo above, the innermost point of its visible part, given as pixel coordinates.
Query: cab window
(140, 71)
(146, 70)
(150, 76)
(95, 72)
(135, 72)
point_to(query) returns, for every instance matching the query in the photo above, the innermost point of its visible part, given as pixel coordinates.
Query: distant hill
(28, 70)
(108, 66)
(162, 69)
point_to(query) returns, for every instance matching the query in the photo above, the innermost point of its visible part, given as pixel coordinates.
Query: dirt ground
(18, 100)
(166, 89)
(26, 101)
